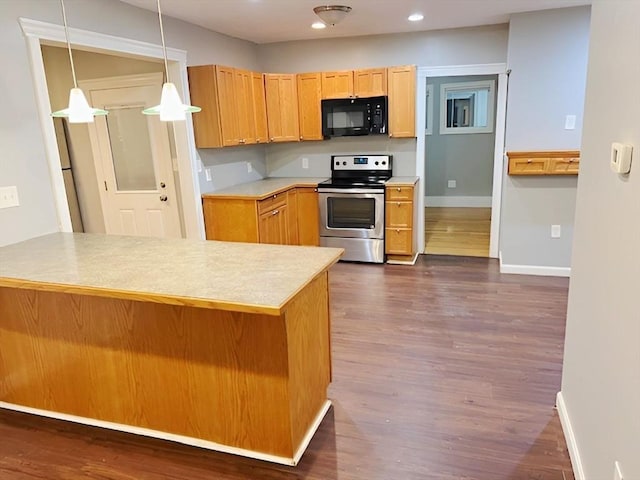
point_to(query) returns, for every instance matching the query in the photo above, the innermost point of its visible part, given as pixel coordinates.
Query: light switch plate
(556, 231)
(570, 122)
(207, 174)
(249, 167)
(451, 184)
(305, 162)
(9, 197)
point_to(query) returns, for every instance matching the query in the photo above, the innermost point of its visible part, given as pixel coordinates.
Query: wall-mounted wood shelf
(561, 162)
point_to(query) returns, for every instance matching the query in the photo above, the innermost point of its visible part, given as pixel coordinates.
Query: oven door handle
(349, 191)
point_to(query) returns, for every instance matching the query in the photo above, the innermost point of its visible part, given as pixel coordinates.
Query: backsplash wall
(228, 166)
(285, 159)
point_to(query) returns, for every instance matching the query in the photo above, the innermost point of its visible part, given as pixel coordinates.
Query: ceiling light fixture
(171, 107)
(79, 110)
(318, 25)
(332, 14)
(415, 17)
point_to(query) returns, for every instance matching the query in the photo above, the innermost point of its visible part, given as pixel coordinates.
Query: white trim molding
(458, 201)
(570, 438)
(36, 32)
(542, 271)
(499, 69)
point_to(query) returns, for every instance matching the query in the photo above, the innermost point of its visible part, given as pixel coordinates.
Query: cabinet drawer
(528, 166)
(564, 166)
(398, 241)
(400, 193)
(399, 214)
(272, 202)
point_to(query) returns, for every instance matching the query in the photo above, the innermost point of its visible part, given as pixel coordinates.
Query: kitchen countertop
(242, 277)
(264, 188)
(402, 181)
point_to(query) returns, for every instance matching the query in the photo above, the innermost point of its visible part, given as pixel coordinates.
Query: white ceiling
(266, 21)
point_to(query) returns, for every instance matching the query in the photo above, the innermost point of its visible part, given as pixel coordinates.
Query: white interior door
(133, 158)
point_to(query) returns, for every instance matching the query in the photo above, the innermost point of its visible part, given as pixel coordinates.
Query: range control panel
(361, 162)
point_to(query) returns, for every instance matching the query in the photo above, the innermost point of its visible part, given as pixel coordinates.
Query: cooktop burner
(358, 171)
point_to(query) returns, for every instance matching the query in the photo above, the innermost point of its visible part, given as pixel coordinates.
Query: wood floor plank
(457, 231)
(446, 370)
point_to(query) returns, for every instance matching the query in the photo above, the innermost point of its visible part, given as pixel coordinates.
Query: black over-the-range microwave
(343, 117)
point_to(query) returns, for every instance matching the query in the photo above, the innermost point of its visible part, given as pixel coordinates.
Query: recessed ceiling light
(318, 25)
(416, 17)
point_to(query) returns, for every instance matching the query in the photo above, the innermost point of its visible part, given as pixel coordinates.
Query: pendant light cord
(66, 34)
(164, 47)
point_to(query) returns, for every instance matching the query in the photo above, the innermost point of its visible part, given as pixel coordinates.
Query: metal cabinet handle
(275, 212)
(272, 139)
(529, 160)
(398, 203)
(399, 189)
(163, 198)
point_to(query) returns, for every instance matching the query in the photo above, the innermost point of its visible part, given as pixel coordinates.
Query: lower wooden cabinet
(544, 163)
(399, 229)
(286, 218)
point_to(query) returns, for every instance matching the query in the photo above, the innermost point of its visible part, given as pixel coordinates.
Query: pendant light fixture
(171, 107)
(79, 110)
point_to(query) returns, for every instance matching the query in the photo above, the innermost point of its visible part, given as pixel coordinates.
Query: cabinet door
(273, 226)
(204, 93)
(245, 111)
(398, 241)
(308, 216)
(227, 103)
(259, 107)
(291, 217)
(402, 101)
(371, 82)
(399, 214)
(282, 107)
(337, 84)
(309, 97)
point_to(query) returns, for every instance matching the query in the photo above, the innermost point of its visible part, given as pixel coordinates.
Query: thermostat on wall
(621, 157)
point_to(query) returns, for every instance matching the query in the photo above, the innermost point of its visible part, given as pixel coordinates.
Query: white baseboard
(476, 202)
(534, 269)
(569, 435)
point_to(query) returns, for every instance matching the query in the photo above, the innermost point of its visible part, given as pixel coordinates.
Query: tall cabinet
(309, 107)
(282, 107)
(402, 101)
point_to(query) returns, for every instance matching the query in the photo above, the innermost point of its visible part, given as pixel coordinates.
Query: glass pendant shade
(171, 107)
(79, 110)
(332, 14)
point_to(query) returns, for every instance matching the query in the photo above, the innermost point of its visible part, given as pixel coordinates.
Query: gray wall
(22, 161)
(446, 47)
(548, 57)
(601, 372)
(465, 158)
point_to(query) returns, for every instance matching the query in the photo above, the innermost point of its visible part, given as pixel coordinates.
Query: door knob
(163, 198)
(163, 185)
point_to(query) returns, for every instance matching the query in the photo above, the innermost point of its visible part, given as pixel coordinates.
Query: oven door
(351, 213)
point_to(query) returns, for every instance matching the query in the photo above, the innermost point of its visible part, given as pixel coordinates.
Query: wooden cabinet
(287, 218)
(282, 107)
(308, 216)
(402, 101)
(233, 106)
(370, 82)
(544, 163)
(399, 221)
(309, 111)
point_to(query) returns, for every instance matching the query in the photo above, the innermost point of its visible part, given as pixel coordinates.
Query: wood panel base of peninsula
(243, 383)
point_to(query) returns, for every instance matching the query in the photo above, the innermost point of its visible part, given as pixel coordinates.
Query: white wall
(22, 161)
(548, 58)
(444, 47)
(601, 372)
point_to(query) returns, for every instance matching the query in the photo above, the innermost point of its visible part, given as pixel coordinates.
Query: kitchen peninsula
(219, 345)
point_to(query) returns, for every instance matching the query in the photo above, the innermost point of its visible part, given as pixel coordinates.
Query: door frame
(499, 69)
(37, 32)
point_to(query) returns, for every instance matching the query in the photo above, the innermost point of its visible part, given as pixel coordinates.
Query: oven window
(345, 212)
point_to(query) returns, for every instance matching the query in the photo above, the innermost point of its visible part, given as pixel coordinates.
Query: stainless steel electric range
(352, 206)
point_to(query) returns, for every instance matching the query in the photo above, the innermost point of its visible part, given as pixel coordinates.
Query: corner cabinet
(402, 101)
(289, 217)
(282, 107)
(400, 236)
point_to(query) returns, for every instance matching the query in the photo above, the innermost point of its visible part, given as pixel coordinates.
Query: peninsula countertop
(241, 277)
(264, 188)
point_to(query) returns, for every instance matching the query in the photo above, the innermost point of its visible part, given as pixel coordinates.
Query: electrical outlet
(305, 162)
(207, 174)
(452, 184)
(9, 197)
(617, 472)
(249, 167)
(556, 231)
(570, 122)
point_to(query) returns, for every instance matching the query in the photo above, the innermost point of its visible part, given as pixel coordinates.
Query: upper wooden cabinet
(309, 111)
(282, 107)
(232, 104)
(370, 82)
(402, 101)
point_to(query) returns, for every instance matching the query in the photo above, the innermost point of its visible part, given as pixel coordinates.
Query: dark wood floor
(447, 370)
